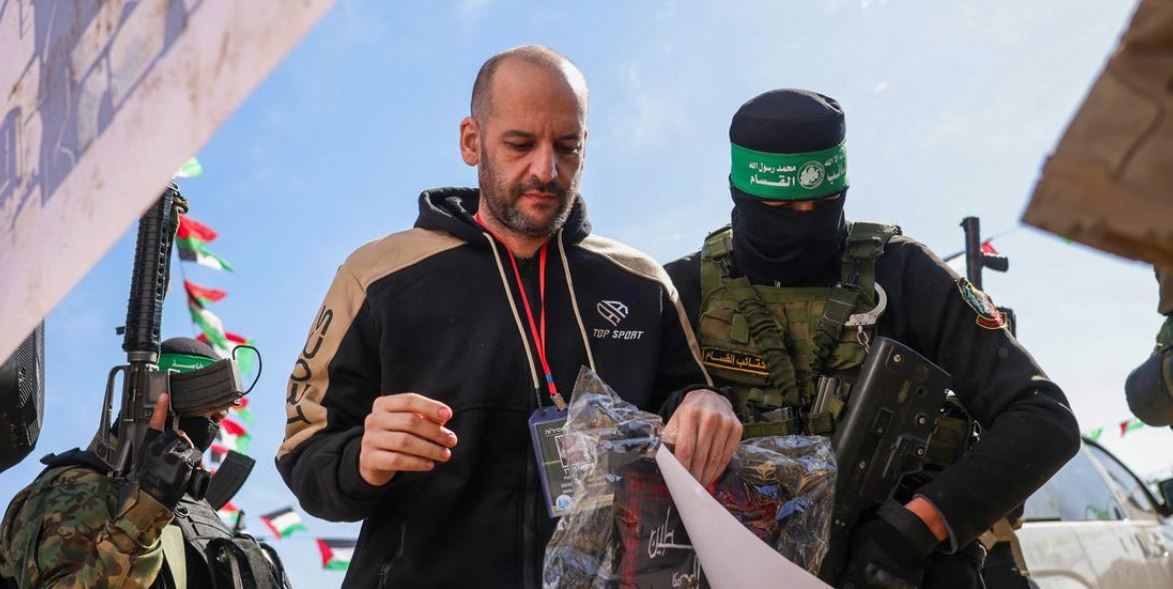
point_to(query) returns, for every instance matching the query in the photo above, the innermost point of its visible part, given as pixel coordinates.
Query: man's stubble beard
(502, 200)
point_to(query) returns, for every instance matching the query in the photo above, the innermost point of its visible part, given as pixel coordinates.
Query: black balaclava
(182, 354)
(777, 244)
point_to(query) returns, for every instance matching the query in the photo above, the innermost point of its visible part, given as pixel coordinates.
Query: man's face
(528, 149)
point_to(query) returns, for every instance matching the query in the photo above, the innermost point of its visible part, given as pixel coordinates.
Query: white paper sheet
(732, 557)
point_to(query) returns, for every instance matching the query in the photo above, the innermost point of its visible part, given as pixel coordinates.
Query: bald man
(411, 405)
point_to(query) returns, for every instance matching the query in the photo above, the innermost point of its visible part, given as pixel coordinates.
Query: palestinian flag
(1095, 434)
(218, 448)
(232, 436)
(190, 169)
(336, 553)
(283, 522)
(203, 294)
(242, 411)
(209, 323)
(192, 240)
(1130, 425)
(230, 513)
(216, 453)
(246, 358)
(988, 248)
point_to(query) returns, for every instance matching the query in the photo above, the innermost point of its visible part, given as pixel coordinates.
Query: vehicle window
(1125, 479)
(1076, 493)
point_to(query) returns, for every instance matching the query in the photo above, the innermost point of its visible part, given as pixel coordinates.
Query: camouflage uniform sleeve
(70, 534)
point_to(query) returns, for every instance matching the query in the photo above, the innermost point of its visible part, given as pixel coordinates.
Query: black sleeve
(680, 369)
(330, 392)
(685, 276)
(1030, 431)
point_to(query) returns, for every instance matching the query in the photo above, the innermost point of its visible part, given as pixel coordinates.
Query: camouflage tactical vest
(771, 344)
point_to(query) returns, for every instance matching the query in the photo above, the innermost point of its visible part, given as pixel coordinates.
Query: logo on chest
(614, 312)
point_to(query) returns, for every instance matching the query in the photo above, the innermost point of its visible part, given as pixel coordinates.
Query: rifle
(883, 435)
(142, 383)
(192, 393)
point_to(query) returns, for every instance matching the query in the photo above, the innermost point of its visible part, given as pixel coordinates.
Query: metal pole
(973, 250)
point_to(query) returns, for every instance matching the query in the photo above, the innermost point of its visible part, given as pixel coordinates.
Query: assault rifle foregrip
(883, 435)
(152, 271)
(141, 335)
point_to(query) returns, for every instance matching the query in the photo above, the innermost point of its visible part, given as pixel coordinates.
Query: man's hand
(404, 432)
(167, 462)
(706, 433)
(890, 551)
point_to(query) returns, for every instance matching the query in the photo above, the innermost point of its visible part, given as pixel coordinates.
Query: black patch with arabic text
(736, 361)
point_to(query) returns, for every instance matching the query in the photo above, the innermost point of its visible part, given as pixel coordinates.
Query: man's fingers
(731, 444)
(725, 443)
(668, 434)
(390, 461)
(430, 409)
(703, 461)
(685, 438)
(159, 413)
(412, 423)
(406, 443)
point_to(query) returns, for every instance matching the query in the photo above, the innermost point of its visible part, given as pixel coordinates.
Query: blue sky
(951, 108)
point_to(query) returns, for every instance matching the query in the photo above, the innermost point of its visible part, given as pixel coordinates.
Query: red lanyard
(538, 334)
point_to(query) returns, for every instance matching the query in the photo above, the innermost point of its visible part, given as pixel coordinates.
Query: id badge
(547, 429)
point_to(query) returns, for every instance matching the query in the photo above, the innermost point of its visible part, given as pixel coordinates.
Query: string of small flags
(1125, 427)
(192, 241)
(284, 523)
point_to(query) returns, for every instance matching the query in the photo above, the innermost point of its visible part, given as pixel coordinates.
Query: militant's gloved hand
(167, 467)
(890, 551)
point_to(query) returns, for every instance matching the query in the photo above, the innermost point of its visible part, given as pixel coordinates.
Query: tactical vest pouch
(956, 433)
(233, 561)
(241, 563)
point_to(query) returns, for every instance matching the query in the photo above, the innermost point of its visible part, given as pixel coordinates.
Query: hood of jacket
(451, 210)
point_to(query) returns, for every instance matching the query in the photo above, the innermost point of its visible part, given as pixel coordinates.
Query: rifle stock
(883, 435)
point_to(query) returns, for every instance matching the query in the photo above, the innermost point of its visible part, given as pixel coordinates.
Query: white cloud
(648, 117)
(882, 87)
(471, 11)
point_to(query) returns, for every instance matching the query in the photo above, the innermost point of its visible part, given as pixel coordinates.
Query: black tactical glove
(890, 551)
(168, 467)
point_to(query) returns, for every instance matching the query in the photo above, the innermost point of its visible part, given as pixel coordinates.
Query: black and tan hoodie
(435, 310)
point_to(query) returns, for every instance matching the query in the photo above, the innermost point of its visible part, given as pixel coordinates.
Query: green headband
(790, 176)
(183, 362)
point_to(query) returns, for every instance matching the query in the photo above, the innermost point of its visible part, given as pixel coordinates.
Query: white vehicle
(1095, 524)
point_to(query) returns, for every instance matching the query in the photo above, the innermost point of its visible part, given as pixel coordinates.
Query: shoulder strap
(715, 257)
(767, 334)
(855, 291)
(864, 245)
(75, 457)
(175, 556)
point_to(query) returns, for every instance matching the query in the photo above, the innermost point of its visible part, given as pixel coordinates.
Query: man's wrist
(927, 512)
(707, 391)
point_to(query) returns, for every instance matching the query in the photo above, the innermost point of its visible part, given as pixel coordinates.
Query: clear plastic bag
(623, 530)
(782, 488)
